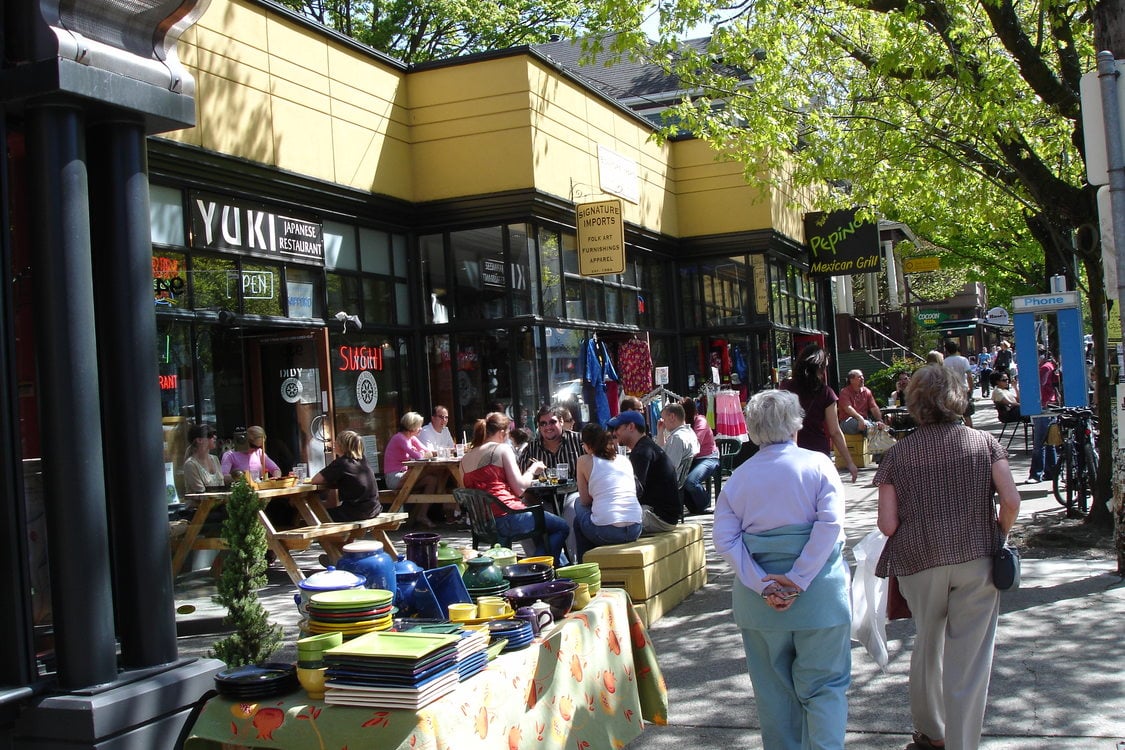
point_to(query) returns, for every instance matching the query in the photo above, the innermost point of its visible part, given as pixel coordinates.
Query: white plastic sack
(869, 598)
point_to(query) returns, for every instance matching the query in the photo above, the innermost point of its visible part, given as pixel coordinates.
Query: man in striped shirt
(556, 446)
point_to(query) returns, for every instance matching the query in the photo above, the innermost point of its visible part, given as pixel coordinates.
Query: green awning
(957, 326)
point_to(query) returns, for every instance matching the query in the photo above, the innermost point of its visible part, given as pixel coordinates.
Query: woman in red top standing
(491, 466)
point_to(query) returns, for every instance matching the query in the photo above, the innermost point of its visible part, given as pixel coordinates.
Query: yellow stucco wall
(274, 92)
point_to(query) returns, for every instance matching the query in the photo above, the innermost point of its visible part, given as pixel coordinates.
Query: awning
(957, 326)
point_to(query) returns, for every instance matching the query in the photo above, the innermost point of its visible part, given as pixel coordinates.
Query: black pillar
(70, 417)
(131, 415)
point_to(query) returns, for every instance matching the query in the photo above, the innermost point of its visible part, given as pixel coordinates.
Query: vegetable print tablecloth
(588, 685)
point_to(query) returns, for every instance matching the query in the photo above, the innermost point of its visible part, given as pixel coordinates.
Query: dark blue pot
(370, 560)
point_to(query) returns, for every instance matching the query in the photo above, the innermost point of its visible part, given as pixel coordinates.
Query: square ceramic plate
(393, 645)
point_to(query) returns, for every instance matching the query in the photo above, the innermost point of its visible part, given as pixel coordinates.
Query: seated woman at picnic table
(406, 446)
(491, 466)
(201, 468)
(249, 456)
(353, 480)
(607, 511)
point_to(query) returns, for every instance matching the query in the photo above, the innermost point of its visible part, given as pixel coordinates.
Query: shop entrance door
(291, 396)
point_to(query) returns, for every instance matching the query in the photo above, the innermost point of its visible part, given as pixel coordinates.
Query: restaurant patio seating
(1006, 422)
(477, 506)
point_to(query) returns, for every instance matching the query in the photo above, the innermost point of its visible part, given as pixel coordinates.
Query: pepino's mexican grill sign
(840, 244)
(226, 224)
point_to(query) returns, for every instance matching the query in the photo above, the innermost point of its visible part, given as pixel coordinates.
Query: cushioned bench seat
(658, 571)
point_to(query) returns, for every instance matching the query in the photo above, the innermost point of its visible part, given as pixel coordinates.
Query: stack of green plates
(588, 573)
(351, 612)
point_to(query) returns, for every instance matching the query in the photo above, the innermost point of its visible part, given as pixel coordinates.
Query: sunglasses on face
(549, 422)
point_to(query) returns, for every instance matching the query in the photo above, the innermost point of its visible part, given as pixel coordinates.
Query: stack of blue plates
(516, 632)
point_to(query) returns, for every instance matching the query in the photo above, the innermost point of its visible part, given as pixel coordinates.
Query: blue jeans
(697, 497)
(588, 535)
(1043, 457)
(850, 426)
(520, 525)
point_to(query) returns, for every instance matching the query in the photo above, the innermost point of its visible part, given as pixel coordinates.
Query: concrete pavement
(1056, 677)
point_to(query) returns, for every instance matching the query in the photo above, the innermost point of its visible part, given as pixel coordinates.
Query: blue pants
(800, 680)
(1043, 457)
(520, 525)
(588, 535)
(697, 497)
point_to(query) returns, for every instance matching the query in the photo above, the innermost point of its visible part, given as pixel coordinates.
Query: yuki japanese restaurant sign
(227, 224)
(840, 244)
(601, 238)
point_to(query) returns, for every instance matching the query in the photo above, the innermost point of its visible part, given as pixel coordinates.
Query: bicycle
(1077, 467)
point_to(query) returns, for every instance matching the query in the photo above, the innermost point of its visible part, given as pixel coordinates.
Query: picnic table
(305, 499)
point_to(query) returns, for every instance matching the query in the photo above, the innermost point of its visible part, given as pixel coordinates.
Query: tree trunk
(1100, 515)
(1109, 27)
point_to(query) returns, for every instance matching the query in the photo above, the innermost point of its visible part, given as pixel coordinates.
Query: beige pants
(955, 608)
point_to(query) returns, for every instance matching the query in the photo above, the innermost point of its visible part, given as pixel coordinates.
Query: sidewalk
(1055, 681)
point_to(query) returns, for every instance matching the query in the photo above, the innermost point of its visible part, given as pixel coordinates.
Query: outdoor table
(446, 469)
(541, 492)
(898, 419)
(590, 681)
(305, 499)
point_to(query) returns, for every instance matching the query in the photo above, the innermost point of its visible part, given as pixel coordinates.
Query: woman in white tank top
(607, 511)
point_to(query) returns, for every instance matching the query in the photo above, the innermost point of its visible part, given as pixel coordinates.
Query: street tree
(414, 32)
(959, 118)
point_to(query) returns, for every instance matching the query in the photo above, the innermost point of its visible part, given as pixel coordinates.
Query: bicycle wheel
(1089, 476)
(1063, 483)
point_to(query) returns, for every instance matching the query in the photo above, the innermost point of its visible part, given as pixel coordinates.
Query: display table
(591, 682)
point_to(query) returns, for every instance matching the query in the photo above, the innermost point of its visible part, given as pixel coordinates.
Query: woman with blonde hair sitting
(353, 480)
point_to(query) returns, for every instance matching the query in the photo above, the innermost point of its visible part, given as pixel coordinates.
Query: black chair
(477, 506)
(728, 449)
(1015, 422)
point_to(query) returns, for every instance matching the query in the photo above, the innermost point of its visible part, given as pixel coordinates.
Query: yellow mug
(492, 606)
(459, 611)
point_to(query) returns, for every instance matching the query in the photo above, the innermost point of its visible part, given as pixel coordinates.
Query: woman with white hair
(779, 524)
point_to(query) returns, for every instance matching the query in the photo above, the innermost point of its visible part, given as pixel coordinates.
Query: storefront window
(549, 248)
(438, 298)
(261, 288)
(564, 347)
(368, 373)
(169, 279)
(166, 215)
(344, 294)
(211, 283)
(482, 283)
(525, 274)
(713, 293)
(483, 374)
(303, 296)
(339, 247)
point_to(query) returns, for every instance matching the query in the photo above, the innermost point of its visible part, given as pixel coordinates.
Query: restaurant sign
(931, 318)
(601, 238)
(226, 224)
(922, 265)
(840, 244)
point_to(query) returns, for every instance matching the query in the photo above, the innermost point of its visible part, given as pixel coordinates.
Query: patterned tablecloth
(589, 684)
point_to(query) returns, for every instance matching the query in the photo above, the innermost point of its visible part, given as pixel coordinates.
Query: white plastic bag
(879, 441)
(869, 598)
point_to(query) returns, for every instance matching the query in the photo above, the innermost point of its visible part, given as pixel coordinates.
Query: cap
(627, 417)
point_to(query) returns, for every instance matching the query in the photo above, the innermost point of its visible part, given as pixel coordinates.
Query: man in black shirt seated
(659, 494)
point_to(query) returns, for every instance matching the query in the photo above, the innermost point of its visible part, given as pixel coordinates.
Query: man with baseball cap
(659, 496)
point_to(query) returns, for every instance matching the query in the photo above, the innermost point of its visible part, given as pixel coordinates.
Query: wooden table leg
(412, 475)
(191, 534)
(280, 549)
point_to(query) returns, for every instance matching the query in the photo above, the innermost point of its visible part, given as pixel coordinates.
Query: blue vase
(370, 560)
(406, 576)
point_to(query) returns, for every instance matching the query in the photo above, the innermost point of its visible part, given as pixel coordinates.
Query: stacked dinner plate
(587, 573)
(256, 681)
(517, 633)
(401, 670)
(350, 612)
(521, 574)
(496, 590)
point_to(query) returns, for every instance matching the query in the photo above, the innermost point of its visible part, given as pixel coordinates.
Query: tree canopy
(960, 118)
(414, 31)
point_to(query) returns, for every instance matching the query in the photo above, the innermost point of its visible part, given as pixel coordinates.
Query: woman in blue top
(779, 524)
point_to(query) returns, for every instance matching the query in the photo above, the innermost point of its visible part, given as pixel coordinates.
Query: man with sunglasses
(437, 433)
(555, 445)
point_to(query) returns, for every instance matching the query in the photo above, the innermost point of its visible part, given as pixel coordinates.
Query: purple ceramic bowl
(559, 594)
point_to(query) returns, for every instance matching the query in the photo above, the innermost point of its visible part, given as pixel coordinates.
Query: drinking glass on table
(552, 476)
(562, 471)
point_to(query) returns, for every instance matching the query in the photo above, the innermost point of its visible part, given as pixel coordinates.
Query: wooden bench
(331, 535)
(658, 571)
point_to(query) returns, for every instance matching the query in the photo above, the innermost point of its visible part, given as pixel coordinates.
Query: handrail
(870, 338)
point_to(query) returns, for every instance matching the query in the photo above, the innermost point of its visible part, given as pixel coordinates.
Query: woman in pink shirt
(405, 446)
